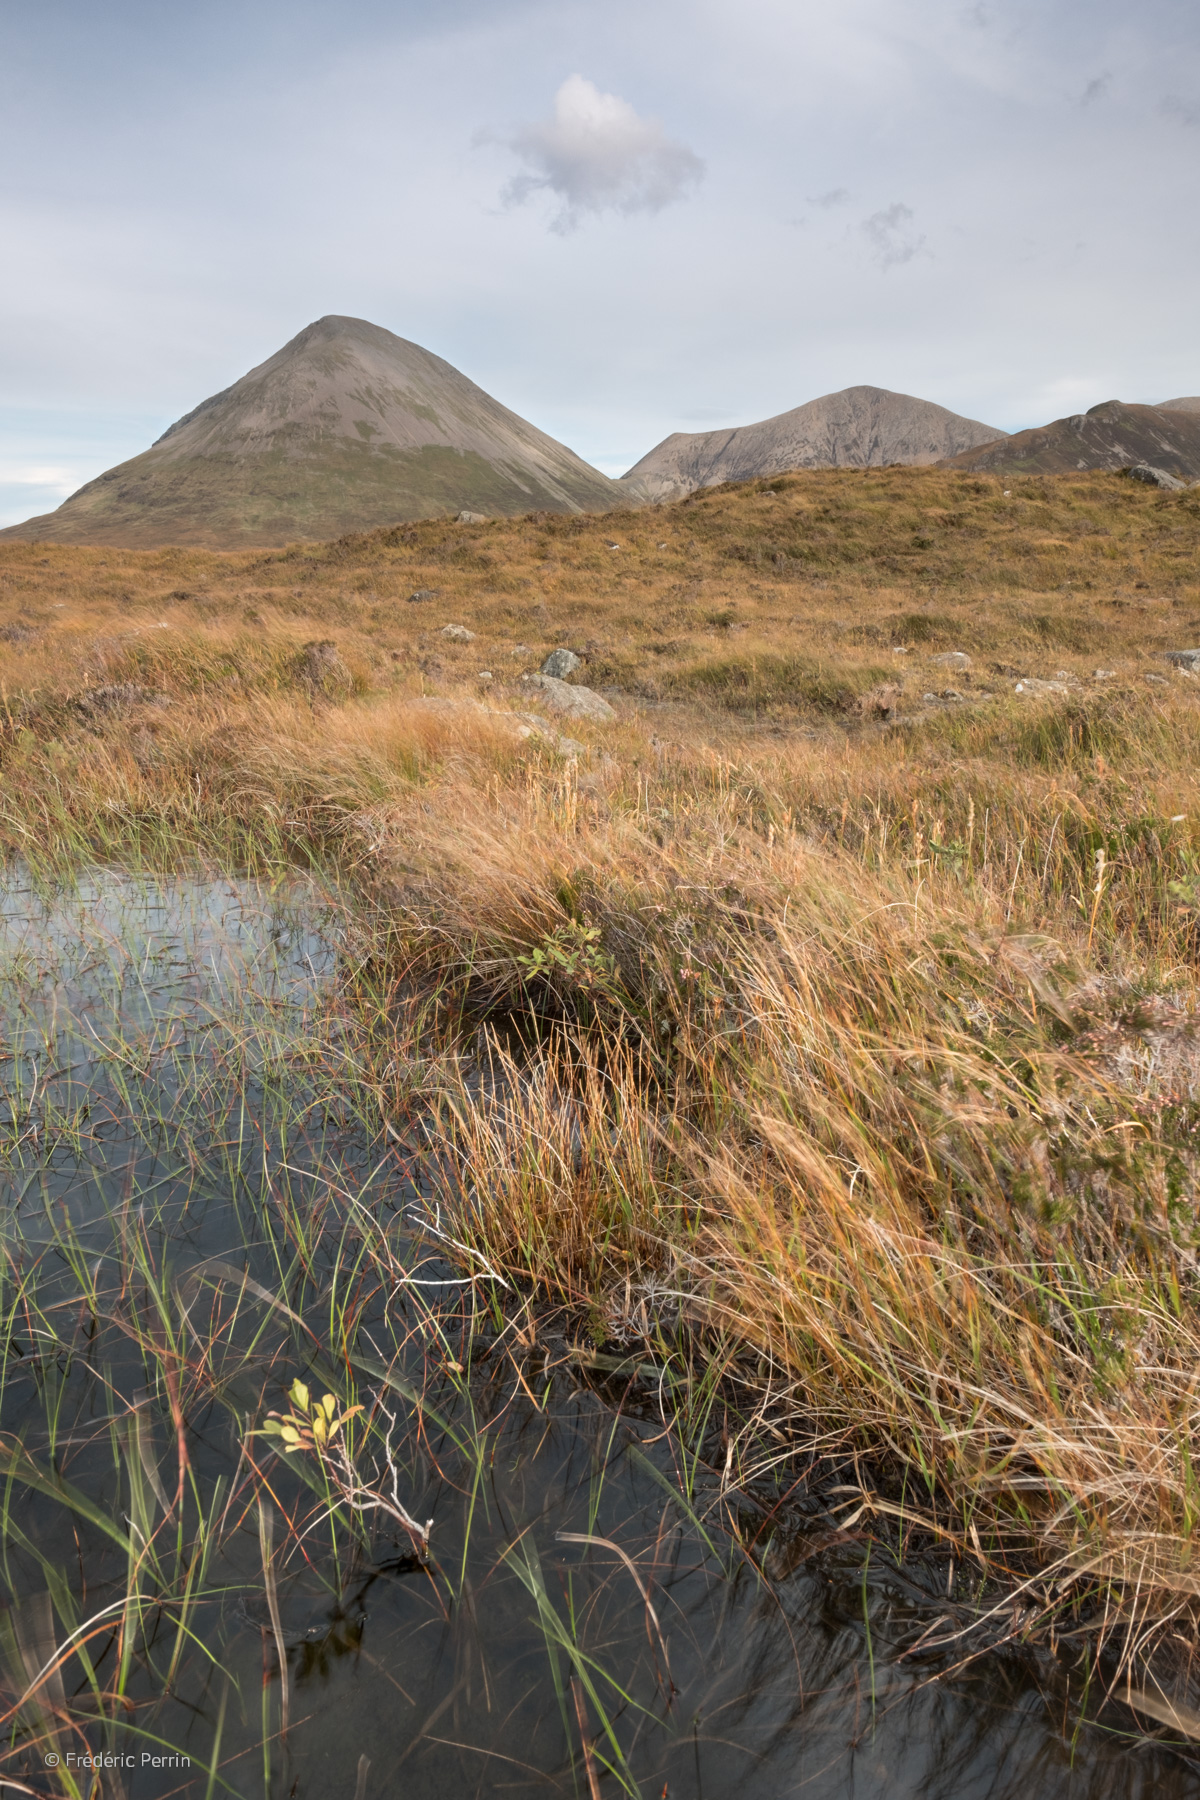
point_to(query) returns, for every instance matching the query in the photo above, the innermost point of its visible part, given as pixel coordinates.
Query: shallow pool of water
(198, 1207)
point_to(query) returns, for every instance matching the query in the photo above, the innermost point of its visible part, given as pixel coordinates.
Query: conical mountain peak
(345, 428)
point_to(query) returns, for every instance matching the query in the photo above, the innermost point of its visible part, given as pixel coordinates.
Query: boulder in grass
(1160, 478)
(1031, 687)
(470, 518)
(459, 633)
(1184, 659)
(953, 659)
(570, 702)
(560, 663)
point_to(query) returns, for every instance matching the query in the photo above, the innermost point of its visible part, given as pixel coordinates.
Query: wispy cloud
(891, 236)
(835, 197)
(597, 154)
(1096, 89)
(1184, 112)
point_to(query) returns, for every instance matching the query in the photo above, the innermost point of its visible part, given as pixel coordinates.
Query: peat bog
(731, 1169)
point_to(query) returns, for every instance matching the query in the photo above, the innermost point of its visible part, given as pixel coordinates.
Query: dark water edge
(180, 1136)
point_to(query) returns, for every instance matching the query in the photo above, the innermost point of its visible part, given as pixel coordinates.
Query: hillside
(1112, 435)
(1188, 403)
(860, 427)
(346, 428)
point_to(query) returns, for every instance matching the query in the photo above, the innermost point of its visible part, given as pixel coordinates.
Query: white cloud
(890, 235)
(835, 197)
(598, 155)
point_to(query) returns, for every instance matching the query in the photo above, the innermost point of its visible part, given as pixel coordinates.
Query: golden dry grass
(830, 1009)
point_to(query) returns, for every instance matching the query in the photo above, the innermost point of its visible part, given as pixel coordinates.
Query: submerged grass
(821, 1037)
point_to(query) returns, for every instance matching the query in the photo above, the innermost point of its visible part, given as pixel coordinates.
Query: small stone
(1103, 674)
(560, 663)
(953, 659)
(951, 694)
(1184, 659)
(1158, 680)
(899, 650)
(420, 595)
(459, 633)
(470, 518)
(485, 675)
(612, 546)
(1159, 478)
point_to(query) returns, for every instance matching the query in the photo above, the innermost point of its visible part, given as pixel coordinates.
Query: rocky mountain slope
(1112, 435)
(344, 429)
(1188, 403)
(860, 427)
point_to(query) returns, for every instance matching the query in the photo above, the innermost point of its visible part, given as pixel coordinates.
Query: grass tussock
(830, 1015)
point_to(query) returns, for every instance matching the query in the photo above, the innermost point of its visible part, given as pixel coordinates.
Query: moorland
(821, 1026)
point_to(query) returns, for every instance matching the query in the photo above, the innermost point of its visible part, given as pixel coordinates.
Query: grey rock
(459, 633)
(420, 595)
(320, 669)
(1157, 477)
(1032, 686)
(1106, 674)
(560, 663)
(1184, 659)
(470, 518)
(1158, 680)
(570, 702)
(953, 659)
(533, 725)
(120, 696)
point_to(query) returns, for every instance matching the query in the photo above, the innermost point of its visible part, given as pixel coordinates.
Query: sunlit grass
(837, 1065)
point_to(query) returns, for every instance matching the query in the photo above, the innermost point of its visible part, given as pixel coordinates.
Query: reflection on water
(194, 1207)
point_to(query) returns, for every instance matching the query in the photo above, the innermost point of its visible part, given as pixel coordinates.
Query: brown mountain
(1111, 436)
(1189, 403)
(344, 429)
(860, 427)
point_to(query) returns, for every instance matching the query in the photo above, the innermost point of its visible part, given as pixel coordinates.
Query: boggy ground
(824, 1023)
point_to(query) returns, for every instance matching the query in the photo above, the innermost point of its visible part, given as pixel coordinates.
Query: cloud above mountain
(891, 235)
(596, 154)
(983, 211)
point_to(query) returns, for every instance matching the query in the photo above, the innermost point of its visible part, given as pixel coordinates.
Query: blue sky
(622, 219)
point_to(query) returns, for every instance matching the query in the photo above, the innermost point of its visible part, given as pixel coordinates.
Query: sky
(620, 217)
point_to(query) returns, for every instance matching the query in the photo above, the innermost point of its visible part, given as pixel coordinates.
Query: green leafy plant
(312, 1424)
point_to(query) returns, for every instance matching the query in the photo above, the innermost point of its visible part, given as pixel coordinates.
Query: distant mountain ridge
(1113, 435)
(858, 427)
(346, 428)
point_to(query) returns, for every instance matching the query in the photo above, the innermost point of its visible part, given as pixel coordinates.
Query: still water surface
(182, 1154)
